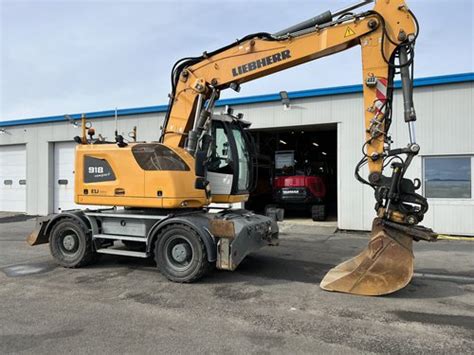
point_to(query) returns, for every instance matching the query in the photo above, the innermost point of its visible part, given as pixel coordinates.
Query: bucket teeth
(385, 266)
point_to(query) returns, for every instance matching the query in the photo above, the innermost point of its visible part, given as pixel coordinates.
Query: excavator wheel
(385, 266)
(70, 244)
(180, 254)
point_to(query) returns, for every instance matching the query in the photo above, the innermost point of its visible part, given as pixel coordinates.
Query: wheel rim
(68, 242)
(179, 252)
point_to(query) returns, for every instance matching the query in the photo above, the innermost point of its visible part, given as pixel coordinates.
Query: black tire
(280, 214)
(70, 244)
(180, 254)
(270, 209)
(318, 212)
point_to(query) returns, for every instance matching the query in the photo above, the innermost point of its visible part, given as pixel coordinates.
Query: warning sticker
(349, 32)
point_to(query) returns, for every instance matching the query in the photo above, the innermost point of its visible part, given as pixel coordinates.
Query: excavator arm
(386, 35)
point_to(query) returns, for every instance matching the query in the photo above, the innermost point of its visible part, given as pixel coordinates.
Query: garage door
(13, 178)
(64, 176)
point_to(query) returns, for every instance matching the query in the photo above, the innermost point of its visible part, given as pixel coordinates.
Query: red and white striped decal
(381, 96)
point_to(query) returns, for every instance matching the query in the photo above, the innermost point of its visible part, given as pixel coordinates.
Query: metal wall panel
(445, 126)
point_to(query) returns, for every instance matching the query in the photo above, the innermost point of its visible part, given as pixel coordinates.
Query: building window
(447, 177)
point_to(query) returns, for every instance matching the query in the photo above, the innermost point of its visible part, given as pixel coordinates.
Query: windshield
(243, 158)
(225, 158)
(220, 160)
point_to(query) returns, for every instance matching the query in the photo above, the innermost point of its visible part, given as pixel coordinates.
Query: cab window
(157, 157)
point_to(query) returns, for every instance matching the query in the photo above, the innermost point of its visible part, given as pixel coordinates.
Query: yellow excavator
(160, 192)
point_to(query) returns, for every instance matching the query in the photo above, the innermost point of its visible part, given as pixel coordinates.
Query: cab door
(221, 164)
(230, 164)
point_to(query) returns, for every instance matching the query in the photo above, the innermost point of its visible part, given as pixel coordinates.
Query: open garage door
(13, 178)
(297, 172)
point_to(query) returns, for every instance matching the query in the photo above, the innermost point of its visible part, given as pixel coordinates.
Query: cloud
(68, 56)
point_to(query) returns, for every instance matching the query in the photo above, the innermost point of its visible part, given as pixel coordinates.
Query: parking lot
(271, 303)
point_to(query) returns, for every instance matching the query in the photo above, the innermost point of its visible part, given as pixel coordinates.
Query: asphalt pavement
(271, 304)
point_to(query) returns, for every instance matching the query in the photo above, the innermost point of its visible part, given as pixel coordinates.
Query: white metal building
(36, 155)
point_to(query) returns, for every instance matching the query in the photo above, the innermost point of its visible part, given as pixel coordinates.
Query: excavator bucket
(385, 266)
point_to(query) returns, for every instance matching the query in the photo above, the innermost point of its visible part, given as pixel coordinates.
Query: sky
(61, 56)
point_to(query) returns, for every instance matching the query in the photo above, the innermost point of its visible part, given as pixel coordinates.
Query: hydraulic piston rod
(407, 87)
(351, 7)
(325, 17)
(407, 90)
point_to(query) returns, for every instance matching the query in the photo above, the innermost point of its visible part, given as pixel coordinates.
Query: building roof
(338, 90)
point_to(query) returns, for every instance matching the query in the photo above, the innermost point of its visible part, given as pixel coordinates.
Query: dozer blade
(385, 266)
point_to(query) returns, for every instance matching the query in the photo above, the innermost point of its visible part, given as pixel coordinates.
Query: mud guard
(197, 221)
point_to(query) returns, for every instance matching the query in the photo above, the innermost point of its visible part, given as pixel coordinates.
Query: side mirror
(78, 140)
(200, 163)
